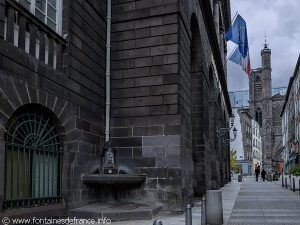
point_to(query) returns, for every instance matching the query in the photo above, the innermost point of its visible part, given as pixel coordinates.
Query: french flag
(237, 58)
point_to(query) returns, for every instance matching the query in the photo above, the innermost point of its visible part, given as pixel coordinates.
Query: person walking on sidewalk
(257, 172)
(263, 174)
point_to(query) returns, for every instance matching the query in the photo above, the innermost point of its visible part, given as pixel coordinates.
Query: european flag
(238, 35)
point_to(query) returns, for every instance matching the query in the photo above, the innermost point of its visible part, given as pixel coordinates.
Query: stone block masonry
(165, 76)
(152, 111)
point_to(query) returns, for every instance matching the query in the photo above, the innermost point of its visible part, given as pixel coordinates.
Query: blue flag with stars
(238, 34)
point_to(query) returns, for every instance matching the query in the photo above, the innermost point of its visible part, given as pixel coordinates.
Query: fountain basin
(113, 179)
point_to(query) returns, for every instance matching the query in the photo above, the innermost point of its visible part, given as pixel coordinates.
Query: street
(265, 203)
(255, 203)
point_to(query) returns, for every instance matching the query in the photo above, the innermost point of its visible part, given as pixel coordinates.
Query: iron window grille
(33, 159)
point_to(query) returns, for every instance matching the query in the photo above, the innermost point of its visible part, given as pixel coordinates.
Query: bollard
(240, 178)
(188, 215)
(293, 184)
(282, 184)
(285, 182)
(214, 207)
(157, 222)
(203, 211)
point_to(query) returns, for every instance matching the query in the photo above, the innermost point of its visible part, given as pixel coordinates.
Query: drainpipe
(108, 47)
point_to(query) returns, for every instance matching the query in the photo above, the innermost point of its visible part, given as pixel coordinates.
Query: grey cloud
(279, 19)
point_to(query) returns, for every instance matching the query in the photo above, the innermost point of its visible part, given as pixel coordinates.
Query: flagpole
(234, 16)
(232, 21)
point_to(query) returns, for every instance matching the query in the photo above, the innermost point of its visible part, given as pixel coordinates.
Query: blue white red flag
(237, 58)
(238, 34)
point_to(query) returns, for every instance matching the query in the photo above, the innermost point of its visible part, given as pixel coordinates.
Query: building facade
(243, 142)
(256, 146)
(248, 141)
(237, 144)
(168, 96)
(265, 108)
(289, 153)
(246, 127)
(240, 103)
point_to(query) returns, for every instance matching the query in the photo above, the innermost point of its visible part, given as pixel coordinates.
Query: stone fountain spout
(109, 166)
(112, 175)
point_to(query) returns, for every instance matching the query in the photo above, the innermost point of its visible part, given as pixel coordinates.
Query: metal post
(157, 222)
(203, 211)
(293, 184)
(285, 182)
(188, 215)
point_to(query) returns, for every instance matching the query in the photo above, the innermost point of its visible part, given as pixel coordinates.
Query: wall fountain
(110, 179)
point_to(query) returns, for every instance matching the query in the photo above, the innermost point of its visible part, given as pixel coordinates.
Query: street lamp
(223, 131)
(227, 141)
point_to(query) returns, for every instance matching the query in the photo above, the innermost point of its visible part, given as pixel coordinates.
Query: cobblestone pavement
(261, 203)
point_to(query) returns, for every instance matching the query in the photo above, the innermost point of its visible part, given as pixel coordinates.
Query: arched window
(196, 47)
(33, 158)
(258, 117)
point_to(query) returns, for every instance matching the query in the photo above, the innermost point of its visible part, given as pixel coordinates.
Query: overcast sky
(280, 21)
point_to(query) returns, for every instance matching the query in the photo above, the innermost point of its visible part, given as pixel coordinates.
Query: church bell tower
(260, 102)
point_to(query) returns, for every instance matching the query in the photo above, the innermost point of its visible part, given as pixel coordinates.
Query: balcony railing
(25, 31)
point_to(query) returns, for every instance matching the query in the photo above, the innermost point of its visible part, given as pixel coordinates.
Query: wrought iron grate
(33, 158)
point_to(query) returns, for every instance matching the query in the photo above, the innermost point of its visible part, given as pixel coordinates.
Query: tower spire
(266, 43)
(266, 55)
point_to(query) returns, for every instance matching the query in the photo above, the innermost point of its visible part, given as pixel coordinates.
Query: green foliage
(295, 171)
(233, 162)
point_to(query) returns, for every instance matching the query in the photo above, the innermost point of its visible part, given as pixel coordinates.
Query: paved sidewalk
(229, 194)
(265, 203)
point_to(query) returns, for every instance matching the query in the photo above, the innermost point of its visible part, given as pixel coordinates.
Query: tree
(233, 161)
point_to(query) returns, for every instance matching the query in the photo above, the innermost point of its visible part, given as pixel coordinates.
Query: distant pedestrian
(263, 174)
(257, 172)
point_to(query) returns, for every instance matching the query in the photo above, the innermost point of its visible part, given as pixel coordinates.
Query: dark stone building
(168, 96)
(265, 108)
(287, 154)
